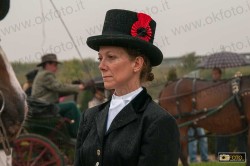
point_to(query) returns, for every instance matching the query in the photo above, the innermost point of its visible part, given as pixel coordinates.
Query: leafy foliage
(87, 69)
(189, 62)
(172, 74)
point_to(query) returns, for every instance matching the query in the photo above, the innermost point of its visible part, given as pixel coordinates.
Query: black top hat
(131, 30)
(4, 8)
(48, 58)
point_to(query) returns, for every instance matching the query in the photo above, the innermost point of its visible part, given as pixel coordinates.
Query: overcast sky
(32, 27)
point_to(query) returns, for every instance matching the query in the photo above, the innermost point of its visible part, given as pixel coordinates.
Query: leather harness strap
(3, 134)
(177, 102)
(236, 92)
(194, 95)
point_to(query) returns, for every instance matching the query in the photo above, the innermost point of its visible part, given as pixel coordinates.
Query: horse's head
(12, 98)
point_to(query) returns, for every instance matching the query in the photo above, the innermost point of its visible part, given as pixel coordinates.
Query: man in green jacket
(47, 88)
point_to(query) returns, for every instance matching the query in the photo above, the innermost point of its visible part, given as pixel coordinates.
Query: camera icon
(224, 157)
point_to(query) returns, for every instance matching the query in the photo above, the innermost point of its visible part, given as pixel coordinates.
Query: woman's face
(119, 72)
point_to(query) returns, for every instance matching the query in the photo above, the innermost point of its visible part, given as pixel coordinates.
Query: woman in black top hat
(4, 8)
(130, 129)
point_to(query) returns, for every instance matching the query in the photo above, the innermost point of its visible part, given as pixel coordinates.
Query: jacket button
(98, 152)
(97, 164)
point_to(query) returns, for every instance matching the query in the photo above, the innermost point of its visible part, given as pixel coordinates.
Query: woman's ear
(138, 63)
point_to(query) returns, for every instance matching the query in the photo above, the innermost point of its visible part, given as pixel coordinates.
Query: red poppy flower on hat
(124, 28)
(141, 27)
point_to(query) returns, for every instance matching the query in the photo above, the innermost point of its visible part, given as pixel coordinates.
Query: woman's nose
(102, 65)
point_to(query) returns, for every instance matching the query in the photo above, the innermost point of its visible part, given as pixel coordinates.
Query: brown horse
(12, 99)
(13, 106)
(211, 105)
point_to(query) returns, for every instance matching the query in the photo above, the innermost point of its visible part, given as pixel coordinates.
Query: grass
(217, 164)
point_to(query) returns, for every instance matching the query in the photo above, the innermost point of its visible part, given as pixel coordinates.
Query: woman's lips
(106, 77)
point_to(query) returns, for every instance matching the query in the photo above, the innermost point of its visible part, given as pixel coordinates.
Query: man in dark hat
(47, 88)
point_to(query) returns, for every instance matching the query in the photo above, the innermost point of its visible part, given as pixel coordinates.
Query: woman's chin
(108, 85)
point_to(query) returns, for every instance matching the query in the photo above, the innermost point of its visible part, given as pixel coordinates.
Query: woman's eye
(111, 57)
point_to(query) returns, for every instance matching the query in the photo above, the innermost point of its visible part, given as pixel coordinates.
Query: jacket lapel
(130, 112)
(123, 118)
(101, 120)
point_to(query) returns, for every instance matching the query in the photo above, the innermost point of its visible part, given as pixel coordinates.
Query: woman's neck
(125, 90)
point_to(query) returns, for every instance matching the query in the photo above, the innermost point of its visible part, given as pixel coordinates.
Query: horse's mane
(186, 78)
(223, 81)
(203, 80)
(246, 76)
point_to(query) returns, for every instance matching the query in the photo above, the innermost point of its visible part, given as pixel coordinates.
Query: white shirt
(118, 103)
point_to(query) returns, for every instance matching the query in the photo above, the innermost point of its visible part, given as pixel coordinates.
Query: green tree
(21, 69)
(70, 70)
(172, 75)
(78, 70)
(189, 62)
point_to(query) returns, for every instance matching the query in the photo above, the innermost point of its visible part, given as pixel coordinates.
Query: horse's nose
(24, 99)
(22, 107)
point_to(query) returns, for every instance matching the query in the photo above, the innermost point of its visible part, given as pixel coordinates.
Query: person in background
(216, 74)
(27, 86)
(203, 143)
(130, 129)
(242, 137)
(98, 98)
(47, 88)
(197, 132)
(222, 143)
(192, 145)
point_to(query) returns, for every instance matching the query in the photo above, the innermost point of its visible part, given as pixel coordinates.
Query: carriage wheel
(35, 150)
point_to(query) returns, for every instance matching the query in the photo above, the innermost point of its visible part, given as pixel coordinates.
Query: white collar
(128, 97)
(118, 103)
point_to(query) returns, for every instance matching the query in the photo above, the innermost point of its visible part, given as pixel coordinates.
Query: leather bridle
(3, 134)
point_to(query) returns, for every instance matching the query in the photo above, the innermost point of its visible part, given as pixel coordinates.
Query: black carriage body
(44, 130)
